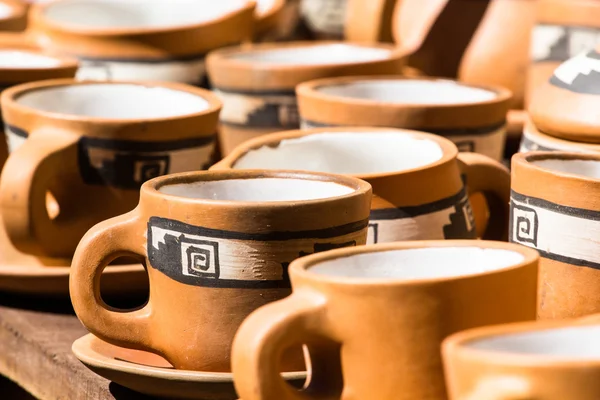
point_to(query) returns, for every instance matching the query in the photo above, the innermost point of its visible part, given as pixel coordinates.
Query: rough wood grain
(35, 352)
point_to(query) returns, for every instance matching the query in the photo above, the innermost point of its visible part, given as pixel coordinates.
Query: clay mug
(257, 83)
(419, 193)
(534, 140)
(20, 64)
(374, 317)
(91, 145)
(217, 246)
(550, 360)
(131, 40)
(554, 210)
(473, 117)
(563, 30)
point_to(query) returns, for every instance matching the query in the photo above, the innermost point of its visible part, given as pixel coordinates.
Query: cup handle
(25, 181)
(267, 333)
(492, 179)
(108, 240)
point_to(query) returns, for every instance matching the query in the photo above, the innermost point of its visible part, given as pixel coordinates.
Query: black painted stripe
(480, 131)
(248, 92)
(593, 54)
(415, 211)
(17, 131)
(557, 208)
(325, 233)
(568, 260)
(142, 60)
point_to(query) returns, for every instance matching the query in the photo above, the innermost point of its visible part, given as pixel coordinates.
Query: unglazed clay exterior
(563, 29)
(212, 259)
(124, 41)
(558, 217)
(473, 117)
(257, 83)
(407, 296)
(85, 143)
(550, 360)
(416, 178)
(534, 140)
(459, 38)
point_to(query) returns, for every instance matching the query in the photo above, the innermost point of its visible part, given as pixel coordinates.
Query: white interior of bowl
(586, 168)
(409, 91)
(577, 342)
(360, 153)
(318, 54)
(12, 58)
(419, 263)
(102, 14)
(113, 101)
(5, 10)
(259, 189)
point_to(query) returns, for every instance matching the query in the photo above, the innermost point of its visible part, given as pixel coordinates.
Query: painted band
(449, 218)
(217, 258)
(558, 43)
(579, 74)
(561, 233)
(527, 145)
(276, 109)
(144, 60)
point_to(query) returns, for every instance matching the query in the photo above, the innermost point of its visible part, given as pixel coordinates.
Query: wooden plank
(35, 352)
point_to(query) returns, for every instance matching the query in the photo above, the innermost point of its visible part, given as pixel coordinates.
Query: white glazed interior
(587, 168)
(345, 153)
(582, 342)
(113, 101)
(409, 91)
(102, 14)
(419, 263)
(12, 58)
(257, 190)
(319, 54)
(5, 10)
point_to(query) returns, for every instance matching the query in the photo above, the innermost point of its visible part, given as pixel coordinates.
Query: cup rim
(40, 10)
(460, 342)
(224, 55)
(64, 61)
(311, 89)
(449, 149)
(152, 187)
(301, 267)
(9, 97)
(525, 161)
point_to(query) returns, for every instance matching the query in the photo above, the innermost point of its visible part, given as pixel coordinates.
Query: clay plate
(152, 375)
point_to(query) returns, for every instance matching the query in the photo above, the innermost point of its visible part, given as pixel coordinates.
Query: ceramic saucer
(150, 374)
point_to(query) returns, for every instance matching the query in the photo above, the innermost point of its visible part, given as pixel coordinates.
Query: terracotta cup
(373, 318)
(419, 193)
(217, 246)
(534, 140)
(550, 360)
(563, 29)
(91, 145)
(257, 83)
(127, 40)
(473, 117)
(554, 209)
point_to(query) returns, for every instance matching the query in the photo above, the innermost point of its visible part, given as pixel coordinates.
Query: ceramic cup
(564, 29)
(554, 210)
(534, 140)
(550, 360)
(416, 177)
(473, 117)
(91, 145)
(257, 83)
(217, 246)
(133, 40)
(373, 318)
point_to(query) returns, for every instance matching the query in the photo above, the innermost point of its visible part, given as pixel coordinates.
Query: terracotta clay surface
(153, 375)
(459, 38)
(534, 140)
(473, 117)
(416, 177)
(256, 83)
(211, 259)
(13, 15)
(554, 210)
(92, 155)
(550, 360)
(407, 302)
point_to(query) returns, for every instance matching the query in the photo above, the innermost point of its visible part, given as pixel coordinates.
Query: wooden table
(35, 353)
